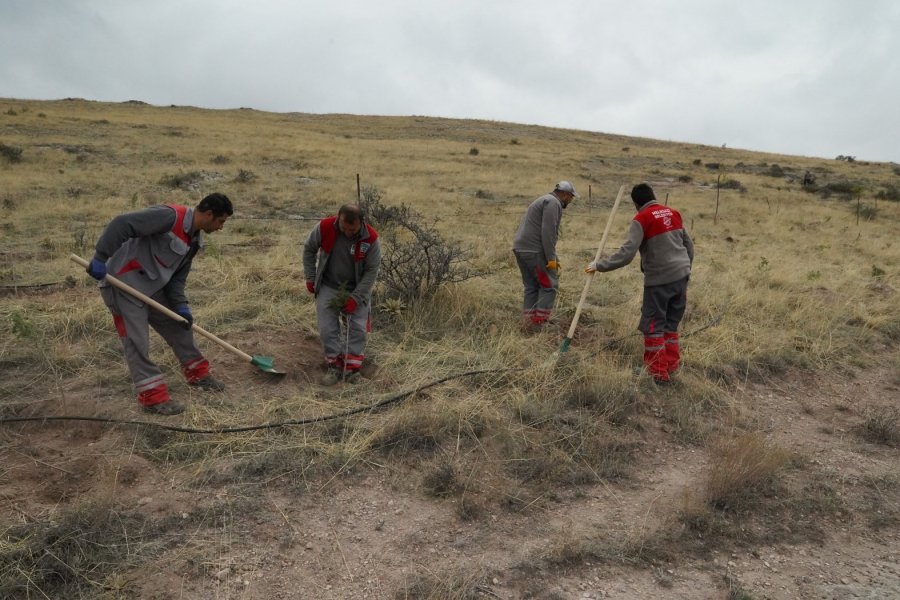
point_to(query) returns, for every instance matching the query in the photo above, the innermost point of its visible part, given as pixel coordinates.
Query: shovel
(564, 347)
(263, 363)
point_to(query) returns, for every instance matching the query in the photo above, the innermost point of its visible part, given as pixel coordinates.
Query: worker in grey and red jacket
(341, 258)
(534, 246)
(667, 253)
(152, 250)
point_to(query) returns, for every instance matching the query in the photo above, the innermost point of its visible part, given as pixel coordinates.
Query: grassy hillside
(788, 279)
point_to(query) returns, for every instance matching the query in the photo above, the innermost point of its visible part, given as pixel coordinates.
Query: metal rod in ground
(564, 347)
(716, 217)
(345, 320)
(358, 193)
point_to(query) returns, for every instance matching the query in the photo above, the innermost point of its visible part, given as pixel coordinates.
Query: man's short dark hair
(218, 203)
(641, 194)
(351, 213)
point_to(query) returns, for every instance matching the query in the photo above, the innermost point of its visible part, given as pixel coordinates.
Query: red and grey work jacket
(151, 249)
(666, 248)
(366, 256)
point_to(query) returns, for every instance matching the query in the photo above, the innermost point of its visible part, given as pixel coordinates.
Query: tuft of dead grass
(450, 585)
(739, 468)
(75, 553)
(881, 425)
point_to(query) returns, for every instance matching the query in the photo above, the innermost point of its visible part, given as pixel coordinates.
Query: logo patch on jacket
(364, 247)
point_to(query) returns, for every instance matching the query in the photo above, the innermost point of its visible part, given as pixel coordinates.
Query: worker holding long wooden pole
(667, 253)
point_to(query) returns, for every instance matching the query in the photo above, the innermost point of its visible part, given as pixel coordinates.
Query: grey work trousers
(340, 349)
(540, 284)
(131, 318)
(663, 307)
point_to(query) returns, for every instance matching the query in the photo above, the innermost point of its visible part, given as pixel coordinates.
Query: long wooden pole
(163, 309)
(587, 284)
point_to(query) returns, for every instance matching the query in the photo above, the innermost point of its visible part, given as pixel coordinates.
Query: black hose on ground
(349, 413)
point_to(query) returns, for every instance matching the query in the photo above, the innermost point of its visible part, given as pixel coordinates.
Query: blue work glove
(185, 311)
(97, 269)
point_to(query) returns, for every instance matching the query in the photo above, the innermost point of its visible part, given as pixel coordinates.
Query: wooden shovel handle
(163, 309)
(587, 284)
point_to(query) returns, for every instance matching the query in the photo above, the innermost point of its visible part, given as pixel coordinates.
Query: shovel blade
(265, 363)
(564, 347)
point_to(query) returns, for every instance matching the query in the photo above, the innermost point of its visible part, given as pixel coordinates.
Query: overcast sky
(809, 77)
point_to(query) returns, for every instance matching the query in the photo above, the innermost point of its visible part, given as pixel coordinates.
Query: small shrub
(713, 166)
(182, 180)
(484, 195)
(456, 585)
(221, 159)
(441, 481)
(12, 154)
(22, 328)
(473, 151)
(468, 510)
(685, 178)
(889, 192)
(340, 299)
(866, 211)
(732, 184)
(245, 176)
(67, 557)
(514, 142)
(697, 162)
(416, 260)
(739, 467)
(881, 426)
(775, 171)
(843, 188)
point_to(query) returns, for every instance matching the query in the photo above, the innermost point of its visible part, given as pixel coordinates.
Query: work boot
(166, 409)
(208, 384)
(353, 377)
(331, 377)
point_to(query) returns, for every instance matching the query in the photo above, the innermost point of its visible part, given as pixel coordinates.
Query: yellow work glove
(553, 265)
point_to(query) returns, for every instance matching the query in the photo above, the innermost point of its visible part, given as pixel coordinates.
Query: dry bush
(12, 154)
(416, 259)
(441, 480)
(73, 554)
(740, 468)
(448, 585)
(881, 425)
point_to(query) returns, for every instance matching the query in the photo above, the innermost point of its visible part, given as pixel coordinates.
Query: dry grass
(447, 585)
(77, 554)
(740, 469)
(783, 280)
(881, 425)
